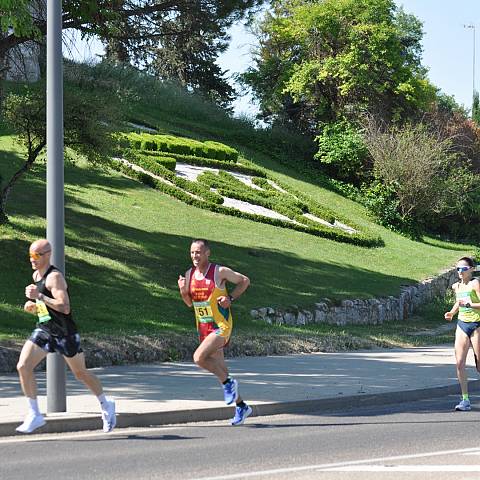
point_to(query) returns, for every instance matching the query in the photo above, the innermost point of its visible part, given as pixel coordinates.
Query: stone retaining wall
(362, 312)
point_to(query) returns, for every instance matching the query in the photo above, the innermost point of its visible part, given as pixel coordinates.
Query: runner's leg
(209, 356)
(30, 356)
(475, 340)
(462, 344)
(79, 369)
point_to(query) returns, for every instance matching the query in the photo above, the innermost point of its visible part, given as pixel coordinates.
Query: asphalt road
(420, 440)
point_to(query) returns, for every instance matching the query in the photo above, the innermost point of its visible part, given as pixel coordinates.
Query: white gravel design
(191, 172)
(257, 209)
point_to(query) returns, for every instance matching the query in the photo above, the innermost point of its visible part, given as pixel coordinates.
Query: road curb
(66, 423)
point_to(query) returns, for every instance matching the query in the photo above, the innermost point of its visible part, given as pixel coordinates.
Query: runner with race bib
(204, 289)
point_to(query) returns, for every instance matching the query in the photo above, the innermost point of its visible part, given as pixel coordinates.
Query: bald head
(40, 246)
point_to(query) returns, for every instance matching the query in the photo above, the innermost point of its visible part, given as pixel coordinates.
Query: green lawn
(126, 244)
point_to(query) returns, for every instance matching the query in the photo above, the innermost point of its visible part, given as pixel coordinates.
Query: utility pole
(472, 26)
(56, 375)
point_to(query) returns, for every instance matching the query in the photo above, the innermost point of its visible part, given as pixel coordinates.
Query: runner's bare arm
(241, 282)
(183, 287)
(449, 315)
(58, 286)
(476, 287)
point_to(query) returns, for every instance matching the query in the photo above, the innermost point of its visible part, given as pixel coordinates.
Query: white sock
(102, 399)
(33, 405)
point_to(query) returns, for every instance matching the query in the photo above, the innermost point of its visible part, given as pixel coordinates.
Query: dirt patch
(106, 350)
(434, 331)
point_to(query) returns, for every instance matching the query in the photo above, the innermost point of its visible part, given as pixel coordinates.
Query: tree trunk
(3, 75)
(9, 185)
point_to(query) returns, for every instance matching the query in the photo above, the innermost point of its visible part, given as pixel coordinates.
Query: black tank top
(61, 324)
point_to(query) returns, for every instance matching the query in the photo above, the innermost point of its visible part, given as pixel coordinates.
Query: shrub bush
(381, 200)
(342, 150)
(181, 145)
(424, 179)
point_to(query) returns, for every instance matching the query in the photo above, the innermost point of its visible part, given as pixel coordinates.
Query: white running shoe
(31, 423)
(108, 415)
(463, 406)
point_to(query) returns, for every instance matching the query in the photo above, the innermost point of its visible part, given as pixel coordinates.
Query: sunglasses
(37, 255)
(463, 269)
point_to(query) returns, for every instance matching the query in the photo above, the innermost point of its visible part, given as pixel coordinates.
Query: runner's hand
(224, 302)
(181, 283)
(30, 307)
(31, 291)
(449, 316)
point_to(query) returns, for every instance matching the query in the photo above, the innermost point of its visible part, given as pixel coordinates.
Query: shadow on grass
(124, 278)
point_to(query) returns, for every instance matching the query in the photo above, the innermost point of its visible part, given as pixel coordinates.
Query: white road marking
(330, 466)
(406, 468)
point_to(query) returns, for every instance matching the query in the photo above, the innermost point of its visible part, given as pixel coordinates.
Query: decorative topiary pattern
(151, 159)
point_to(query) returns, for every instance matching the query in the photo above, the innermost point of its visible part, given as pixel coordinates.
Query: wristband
(231, 299)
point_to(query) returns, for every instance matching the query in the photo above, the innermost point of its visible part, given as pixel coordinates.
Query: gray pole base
(56, 381)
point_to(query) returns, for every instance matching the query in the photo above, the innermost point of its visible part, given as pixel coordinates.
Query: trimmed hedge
(179, 145)
(212, 163)
(168, 162)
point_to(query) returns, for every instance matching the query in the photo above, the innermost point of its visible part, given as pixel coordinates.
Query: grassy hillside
(126, 244)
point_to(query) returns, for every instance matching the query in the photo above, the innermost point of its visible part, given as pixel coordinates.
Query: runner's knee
(81, 375)
(461, 364)
(24, 367)
(198, 358)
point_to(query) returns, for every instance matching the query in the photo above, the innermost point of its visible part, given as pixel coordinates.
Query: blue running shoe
(230, 392)
(241, 414)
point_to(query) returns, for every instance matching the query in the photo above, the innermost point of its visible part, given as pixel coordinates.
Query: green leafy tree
(319, 61)
(188, 35)
(190, 59)
(342, 151)
(476, 108)
(92, 111)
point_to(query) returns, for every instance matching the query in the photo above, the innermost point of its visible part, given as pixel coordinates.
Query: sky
(447, 48)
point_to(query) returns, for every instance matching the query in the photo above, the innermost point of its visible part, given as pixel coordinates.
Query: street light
(472, 26)
(56, 375)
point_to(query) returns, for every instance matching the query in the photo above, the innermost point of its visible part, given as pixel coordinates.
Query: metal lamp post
(472, 26)
(56, 376)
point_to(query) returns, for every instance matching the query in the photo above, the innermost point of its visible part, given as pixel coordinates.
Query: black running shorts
(68, 345)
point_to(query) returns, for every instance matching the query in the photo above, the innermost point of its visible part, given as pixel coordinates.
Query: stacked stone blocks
(371, 311)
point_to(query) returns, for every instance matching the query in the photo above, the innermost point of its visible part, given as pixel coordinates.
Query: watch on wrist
(468, 305)
(231, 299)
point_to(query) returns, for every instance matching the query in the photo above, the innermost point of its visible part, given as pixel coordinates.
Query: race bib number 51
(203, 311)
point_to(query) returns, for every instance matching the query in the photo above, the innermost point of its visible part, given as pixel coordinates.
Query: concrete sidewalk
(166, 393)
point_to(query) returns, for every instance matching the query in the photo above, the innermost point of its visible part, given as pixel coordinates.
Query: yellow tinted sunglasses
(37, 255)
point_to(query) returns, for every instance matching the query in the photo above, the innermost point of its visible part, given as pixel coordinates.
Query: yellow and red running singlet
(209, 315)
